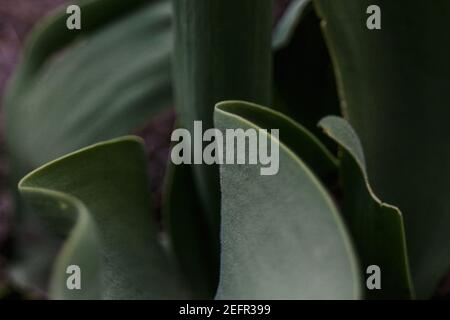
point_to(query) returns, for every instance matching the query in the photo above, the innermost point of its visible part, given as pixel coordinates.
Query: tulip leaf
(298, 138)
(282, 236)
(394, 90)
(376, 227)
(102, 191)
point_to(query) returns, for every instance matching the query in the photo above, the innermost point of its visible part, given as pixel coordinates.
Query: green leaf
(185, 223)
(285, 28)
(282, 236)
(51, 34)
(222, 51)
(71, 91)
(104, 86)
(102, 191)
(377, 228)
(394, 90)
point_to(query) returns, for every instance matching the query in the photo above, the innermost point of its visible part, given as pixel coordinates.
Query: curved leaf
(376, 227)
(282, 237)
(103, 191)
(395, 92)
(294, 135)
(100, 87)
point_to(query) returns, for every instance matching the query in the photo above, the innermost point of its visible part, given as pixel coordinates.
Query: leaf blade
(111, 198)
(393, 88)
(305, 254)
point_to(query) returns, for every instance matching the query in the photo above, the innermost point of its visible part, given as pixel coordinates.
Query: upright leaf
(222, 51)
(395, 92)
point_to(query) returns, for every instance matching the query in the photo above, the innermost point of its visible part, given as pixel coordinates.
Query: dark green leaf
(222, 51)
(185, 223)
(395, 92)
(376, 227)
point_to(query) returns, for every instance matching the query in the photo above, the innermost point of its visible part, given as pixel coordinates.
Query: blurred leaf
(51, 34)
(282, 236)
(185, 222)
(376, 227)
(103, 191)
(222, 51)
(66, 97)
(285, 28)
(395, 92)
(104, 86)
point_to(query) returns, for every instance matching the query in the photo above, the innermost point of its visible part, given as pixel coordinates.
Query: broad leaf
(102, 191)
(376, 227)
(395, 92)
(282, 236)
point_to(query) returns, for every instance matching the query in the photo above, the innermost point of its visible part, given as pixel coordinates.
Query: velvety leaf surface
(394, 86)
(376, 227)
(282, 237)
(103, 191)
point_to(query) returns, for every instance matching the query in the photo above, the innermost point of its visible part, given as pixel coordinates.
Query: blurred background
(17, 18)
